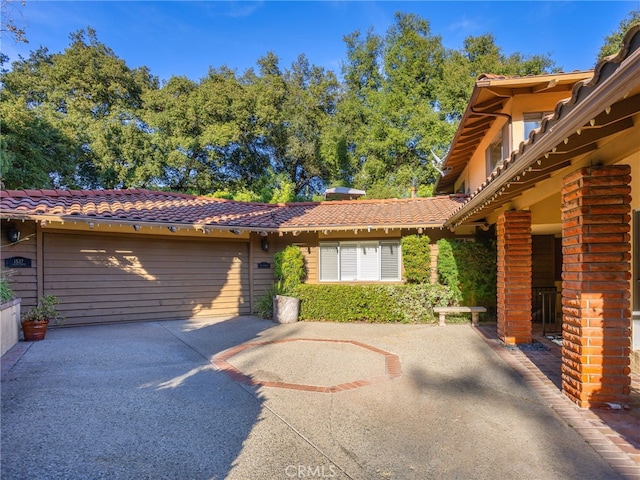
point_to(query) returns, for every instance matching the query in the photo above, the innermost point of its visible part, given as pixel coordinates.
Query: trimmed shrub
(371, 303)
(478, 278)
(414, 303)
(289, 269)
(469, 269)
(416, 256)
(448, 268)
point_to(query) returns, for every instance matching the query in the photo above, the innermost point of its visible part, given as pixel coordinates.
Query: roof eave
(603, 95)
(49, 218)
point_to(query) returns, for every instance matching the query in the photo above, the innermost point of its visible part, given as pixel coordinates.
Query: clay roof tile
(167, 207)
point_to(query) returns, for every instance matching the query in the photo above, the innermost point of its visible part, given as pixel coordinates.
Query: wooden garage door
(104, 279)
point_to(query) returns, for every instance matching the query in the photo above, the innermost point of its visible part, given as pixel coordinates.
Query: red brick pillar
(514, 277)
(596, 285)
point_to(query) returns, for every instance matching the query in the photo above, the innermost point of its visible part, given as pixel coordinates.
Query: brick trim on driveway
(392, 367)
(609, 441)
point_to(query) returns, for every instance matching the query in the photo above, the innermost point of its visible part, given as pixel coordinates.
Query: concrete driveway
(307, 400)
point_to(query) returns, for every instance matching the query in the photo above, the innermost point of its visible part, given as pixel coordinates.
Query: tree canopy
(613, 42)
(82, 118)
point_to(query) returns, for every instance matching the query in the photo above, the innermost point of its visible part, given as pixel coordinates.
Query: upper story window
(532, 121)
(360, 261)
(494, 153)
(499, 149)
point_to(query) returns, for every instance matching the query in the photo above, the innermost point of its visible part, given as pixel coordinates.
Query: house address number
(17, 262)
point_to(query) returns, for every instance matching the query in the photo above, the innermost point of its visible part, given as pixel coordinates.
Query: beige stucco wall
(475, 173)
(634, 162)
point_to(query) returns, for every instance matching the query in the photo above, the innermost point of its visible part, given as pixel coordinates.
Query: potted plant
(35, 320)
(289, 270)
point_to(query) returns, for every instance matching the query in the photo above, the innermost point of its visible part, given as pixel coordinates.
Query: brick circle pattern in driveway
(391, 362)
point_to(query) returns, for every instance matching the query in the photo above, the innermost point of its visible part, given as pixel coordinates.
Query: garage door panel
(107, 279)
(153, 297)
(88, 293)
(104, 278)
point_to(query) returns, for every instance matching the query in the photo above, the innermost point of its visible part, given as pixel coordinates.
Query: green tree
(613, 42)
(480, 55)
(404, 94)
(93, 99)
(296, 107)
(182, 116)
(33, 153)
(390, 98)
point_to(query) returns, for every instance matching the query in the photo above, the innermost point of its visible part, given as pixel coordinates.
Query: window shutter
(329, 262)
(368, 261)
(348, 261)
(390, 261)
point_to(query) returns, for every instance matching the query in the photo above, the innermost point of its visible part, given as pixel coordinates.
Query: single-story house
(551, 163)
(123, 255)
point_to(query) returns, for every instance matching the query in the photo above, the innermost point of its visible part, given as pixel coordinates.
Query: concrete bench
(474, 311)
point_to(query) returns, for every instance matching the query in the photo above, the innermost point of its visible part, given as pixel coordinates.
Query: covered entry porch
(576, 178)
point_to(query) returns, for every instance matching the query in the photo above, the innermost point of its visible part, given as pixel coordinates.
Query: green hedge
(478, 278)
(448, 268)
(469, 269)
(416, 256)
(371, 303)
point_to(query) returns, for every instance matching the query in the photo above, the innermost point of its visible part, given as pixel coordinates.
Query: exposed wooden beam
(544, 86)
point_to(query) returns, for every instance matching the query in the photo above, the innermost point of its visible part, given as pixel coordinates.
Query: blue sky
(185, 38)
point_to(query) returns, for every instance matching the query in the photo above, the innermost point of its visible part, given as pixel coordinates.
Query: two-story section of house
(552, 162)
(502, 112)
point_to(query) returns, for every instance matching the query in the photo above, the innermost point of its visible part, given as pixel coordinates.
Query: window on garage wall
(364, 261)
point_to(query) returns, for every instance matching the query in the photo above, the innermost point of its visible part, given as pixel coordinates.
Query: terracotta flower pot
(34, 331)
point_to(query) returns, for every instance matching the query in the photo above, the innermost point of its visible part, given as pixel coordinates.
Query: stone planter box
(285, 309)
(10, 324)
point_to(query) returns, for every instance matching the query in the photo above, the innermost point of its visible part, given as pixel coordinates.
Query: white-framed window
(499, 149)
(364, 261)
(494, 154)
(532, 121)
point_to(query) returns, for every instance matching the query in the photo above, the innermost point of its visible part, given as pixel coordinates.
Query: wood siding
(264, 278)
(115, 278)
(23, 280)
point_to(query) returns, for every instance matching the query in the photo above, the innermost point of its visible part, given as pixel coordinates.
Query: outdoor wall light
(13, 234)
(136, 228)
(264, 244)
(172, 229)
(236, 232)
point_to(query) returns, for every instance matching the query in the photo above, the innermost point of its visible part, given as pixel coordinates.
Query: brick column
(596, 316)
(514, 277)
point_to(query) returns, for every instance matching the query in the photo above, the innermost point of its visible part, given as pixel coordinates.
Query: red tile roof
(153, 207)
